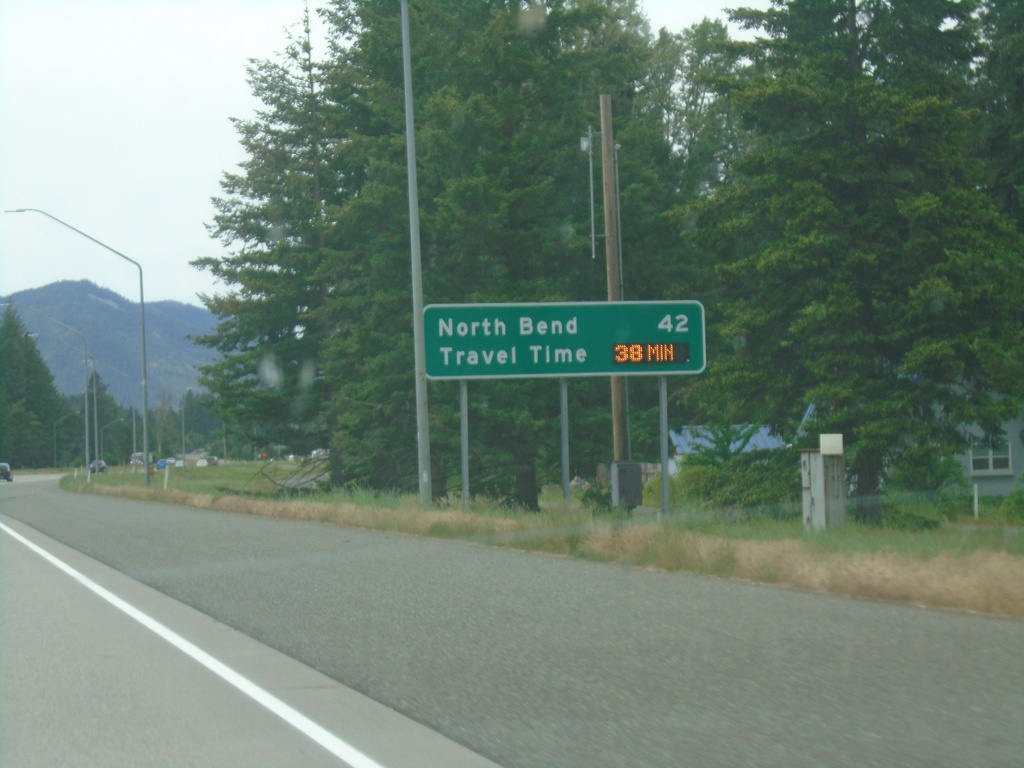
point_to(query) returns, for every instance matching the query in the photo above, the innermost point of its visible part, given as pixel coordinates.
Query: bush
(754, 479)
(597, 498)
(911, 516)
(922, 468)
(1012, 507)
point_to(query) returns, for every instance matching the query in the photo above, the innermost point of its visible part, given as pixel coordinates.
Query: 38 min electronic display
(633, 353)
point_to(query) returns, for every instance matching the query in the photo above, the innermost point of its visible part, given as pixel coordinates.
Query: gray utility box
(823, 476)
(627, 484)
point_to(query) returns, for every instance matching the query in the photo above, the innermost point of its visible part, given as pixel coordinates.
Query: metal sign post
(492, 341)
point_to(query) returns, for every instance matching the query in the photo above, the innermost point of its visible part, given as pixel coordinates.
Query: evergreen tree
(30, 406)
(503, 92)
(1002, 102)
(268, 380)
(868, 274)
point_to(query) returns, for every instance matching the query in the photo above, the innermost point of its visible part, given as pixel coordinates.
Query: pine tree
(30, 405)
(868, 274)
(503, 93)
(268, 379)
(1002, 103)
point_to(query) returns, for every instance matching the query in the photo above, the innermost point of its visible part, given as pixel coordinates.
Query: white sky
(114, 118)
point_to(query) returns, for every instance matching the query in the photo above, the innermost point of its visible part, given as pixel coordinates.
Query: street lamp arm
(75, 229)
(142, 315)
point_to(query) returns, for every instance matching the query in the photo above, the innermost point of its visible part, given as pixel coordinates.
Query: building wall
(996, 472)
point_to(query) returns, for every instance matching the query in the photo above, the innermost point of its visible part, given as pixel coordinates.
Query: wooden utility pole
(611, 245)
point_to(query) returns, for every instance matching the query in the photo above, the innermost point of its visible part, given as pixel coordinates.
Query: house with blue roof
(692, 440)
(995, 468)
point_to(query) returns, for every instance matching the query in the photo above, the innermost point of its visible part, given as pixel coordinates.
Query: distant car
(97, 466)
(180, 464)
(6, 473)
(161, 463)
(213, 461)
(202, 463)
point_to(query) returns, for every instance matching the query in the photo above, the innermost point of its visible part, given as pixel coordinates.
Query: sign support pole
(663, 405)
(563, 388)
(464, 439)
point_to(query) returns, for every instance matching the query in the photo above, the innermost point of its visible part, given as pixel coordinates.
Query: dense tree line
(842, 190)
(29, 403)
(41, 428)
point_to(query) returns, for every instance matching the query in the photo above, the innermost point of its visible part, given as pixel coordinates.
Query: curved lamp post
(142, 313)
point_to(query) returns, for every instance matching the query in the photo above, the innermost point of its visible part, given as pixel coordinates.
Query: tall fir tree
(1002, 102)
(868, 273)
(268, 382)
(503, 92)
(30, 406)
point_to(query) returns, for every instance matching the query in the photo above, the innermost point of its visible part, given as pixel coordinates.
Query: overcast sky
(114, 117)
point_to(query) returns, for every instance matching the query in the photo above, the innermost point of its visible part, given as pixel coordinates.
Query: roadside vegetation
(962, 563)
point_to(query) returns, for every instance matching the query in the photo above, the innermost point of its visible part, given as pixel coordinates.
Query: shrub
(748, 480)
(911, 516)
(922, 468)
(1012, 507)
(597, 498)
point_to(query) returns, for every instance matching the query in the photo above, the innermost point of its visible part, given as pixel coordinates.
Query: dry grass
(983, 581)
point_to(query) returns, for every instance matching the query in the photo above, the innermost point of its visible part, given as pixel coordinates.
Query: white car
(202, 463)
(180, 463)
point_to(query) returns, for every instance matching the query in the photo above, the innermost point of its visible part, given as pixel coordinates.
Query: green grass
(560, 526)
(972, 567)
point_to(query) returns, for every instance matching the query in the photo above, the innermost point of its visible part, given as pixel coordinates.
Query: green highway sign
(622, 338)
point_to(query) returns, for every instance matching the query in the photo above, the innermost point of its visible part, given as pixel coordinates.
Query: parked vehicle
(6, 473)
(97, 466)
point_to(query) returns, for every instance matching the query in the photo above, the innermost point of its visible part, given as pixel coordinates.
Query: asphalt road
(540, 661)
(97, 669)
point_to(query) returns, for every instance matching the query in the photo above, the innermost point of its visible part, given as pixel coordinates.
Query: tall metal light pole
(142, 314)
(420, 362)
(95, 414)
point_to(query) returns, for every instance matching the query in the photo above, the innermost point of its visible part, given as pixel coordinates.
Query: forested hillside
(842, 191)
(110, 325)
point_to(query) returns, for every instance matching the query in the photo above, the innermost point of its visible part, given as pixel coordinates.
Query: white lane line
(312, 730)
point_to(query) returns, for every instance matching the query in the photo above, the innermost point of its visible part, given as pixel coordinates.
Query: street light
(419, 352)
(95, 412)
(142, 314)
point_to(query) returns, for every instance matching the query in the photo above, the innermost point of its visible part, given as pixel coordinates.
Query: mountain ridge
(110, 325)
